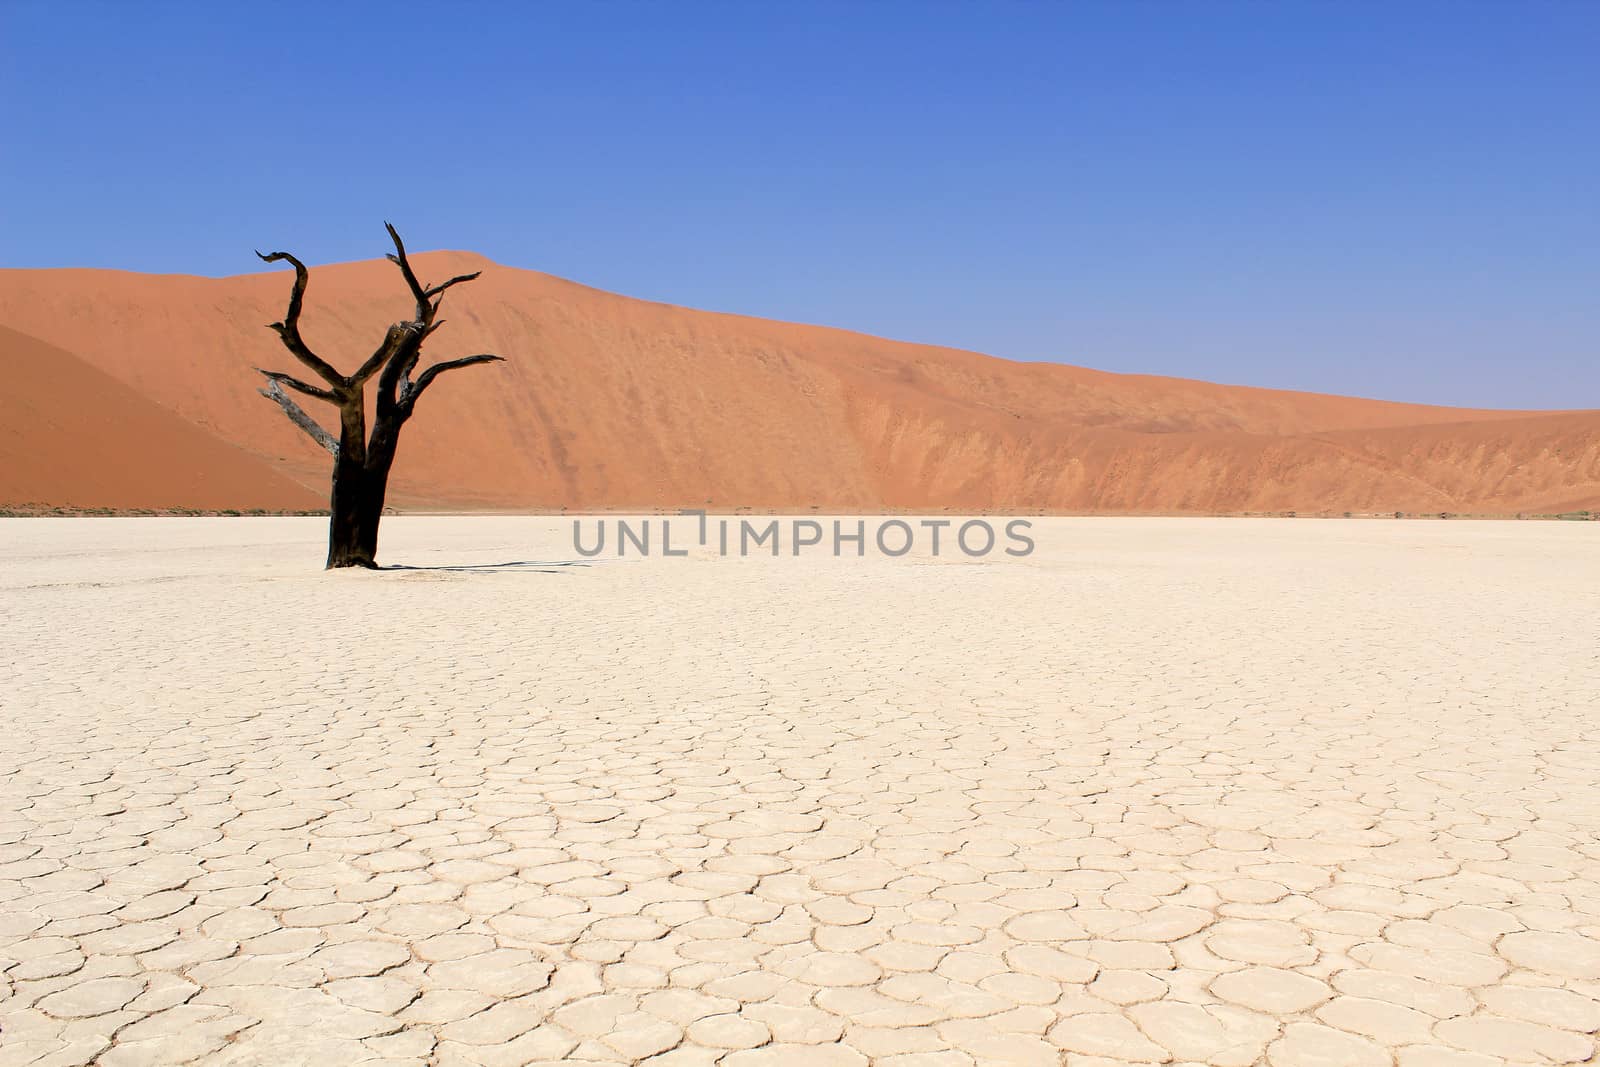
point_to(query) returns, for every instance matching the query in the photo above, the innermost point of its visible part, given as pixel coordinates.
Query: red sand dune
(73, 436)
(610, 402)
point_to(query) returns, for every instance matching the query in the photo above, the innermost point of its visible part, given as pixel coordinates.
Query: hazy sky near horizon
(1399, 200)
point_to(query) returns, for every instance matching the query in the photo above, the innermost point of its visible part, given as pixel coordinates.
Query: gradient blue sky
(1386, 199)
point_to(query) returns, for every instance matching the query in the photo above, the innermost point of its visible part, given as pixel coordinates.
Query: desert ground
(1193, 791)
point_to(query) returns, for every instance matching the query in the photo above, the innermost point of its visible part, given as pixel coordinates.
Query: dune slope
(72, 436)
(612, 402)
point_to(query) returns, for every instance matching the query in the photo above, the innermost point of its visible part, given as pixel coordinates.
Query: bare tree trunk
(345, 547)
(349, 486)
(380, 458)
(361, 468)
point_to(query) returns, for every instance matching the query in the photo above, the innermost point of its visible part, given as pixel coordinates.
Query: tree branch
(395, 379)
(274, 392)
(392, 341)
(289, 329)
(435, 290)
(398, 257)
(408, 397)
(298, 386)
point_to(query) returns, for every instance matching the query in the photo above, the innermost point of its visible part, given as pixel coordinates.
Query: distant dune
(72, 436)
(610, 402)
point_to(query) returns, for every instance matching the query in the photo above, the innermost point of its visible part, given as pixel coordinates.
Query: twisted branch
(398, 334)
(289, 328)
(409, 394)
(298, 386)
(425, 309)
(274, 392)
(441, 287)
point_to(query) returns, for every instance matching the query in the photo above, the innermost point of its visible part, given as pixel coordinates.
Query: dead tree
(361, 464)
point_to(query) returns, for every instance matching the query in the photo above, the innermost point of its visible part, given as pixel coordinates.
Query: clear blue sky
(1386, 199)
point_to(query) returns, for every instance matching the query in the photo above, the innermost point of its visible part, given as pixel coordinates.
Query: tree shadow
(547, 566)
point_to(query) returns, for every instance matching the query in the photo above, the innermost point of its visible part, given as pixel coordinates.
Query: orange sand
(608, 401)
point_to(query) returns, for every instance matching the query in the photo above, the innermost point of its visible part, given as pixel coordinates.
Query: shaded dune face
(73, 436)
(609, 402)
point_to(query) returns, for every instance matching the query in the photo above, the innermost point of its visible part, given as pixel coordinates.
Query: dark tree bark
(361, 465)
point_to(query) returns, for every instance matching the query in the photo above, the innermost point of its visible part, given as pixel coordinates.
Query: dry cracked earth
(1167, 791)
